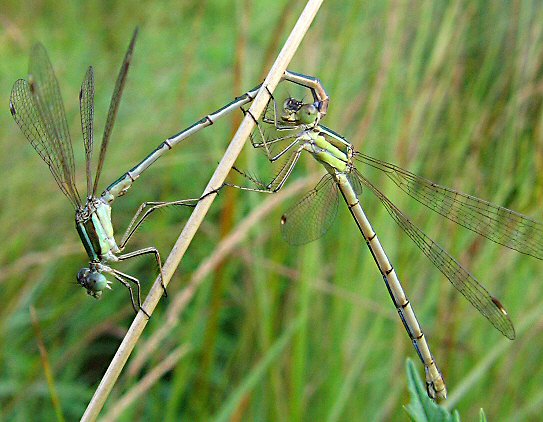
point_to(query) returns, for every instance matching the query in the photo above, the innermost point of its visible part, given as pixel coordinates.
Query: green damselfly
(295, 127)
(37, 107)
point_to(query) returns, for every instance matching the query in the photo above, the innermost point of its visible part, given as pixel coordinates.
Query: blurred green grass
(449, 90)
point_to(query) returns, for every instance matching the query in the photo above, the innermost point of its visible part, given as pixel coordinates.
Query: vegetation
(450, 90)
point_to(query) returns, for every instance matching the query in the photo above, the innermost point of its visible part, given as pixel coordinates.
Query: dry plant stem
(197, 216)
(145, 384)
(226, 246)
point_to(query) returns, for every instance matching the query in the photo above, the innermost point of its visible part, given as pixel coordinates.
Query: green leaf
(422, 408)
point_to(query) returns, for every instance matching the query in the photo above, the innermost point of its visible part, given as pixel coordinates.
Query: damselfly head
(94, 281)
(295, 111)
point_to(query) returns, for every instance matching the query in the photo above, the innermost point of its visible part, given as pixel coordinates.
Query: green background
(450, 90)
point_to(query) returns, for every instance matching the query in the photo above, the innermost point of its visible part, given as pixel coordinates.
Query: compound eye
(96, 282)
(82, 275)
(286, 104)
(307, 114)
(291, 104)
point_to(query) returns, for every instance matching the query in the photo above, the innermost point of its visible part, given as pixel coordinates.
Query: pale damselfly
(297, 128)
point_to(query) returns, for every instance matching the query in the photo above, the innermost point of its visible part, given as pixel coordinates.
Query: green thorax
(328, 154)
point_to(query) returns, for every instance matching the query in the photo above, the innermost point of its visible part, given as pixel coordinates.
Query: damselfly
(297, 129)
(37, 107)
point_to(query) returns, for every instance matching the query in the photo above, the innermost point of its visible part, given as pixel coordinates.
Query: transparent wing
(460, 278)
(37, 108)
(270, 137)
(86, 107)
(48, 101)
(501, 225)
(356, 183)
(113, 107)
(313, 215)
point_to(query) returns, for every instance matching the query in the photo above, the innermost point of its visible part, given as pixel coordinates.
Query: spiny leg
(265, 142)
(129, 287)
(137, 221)
(298, 142)
(262, 187)
(284, 150)
(275, 121)
(119, 277)
(146, 251)
(262, 136)
(276, 183)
